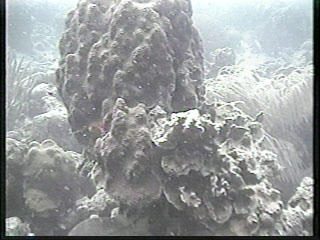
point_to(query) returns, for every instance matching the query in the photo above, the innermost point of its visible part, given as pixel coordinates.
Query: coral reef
(100, 204)
(34, 28)
(199, 161)
(277, 18)
(155, 58)
(20, 27)
(275, 27)
(165, 152)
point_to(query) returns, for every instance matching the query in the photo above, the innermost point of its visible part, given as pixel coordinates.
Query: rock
(100, 204)
(297, 218)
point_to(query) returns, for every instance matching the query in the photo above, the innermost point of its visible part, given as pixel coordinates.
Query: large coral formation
(207, 162)
(142, 51)
(199, 161)
(209, 165)
(163, 161)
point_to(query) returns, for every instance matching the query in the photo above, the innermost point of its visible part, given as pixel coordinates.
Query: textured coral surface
(142, 51)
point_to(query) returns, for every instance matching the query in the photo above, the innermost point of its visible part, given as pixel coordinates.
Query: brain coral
(142, 51)
(50, 179)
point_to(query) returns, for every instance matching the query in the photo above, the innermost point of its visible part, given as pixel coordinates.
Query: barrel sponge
(142, 51)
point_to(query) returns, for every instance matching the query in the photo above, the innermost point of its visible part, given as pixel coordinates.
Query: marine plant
(16, 72)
